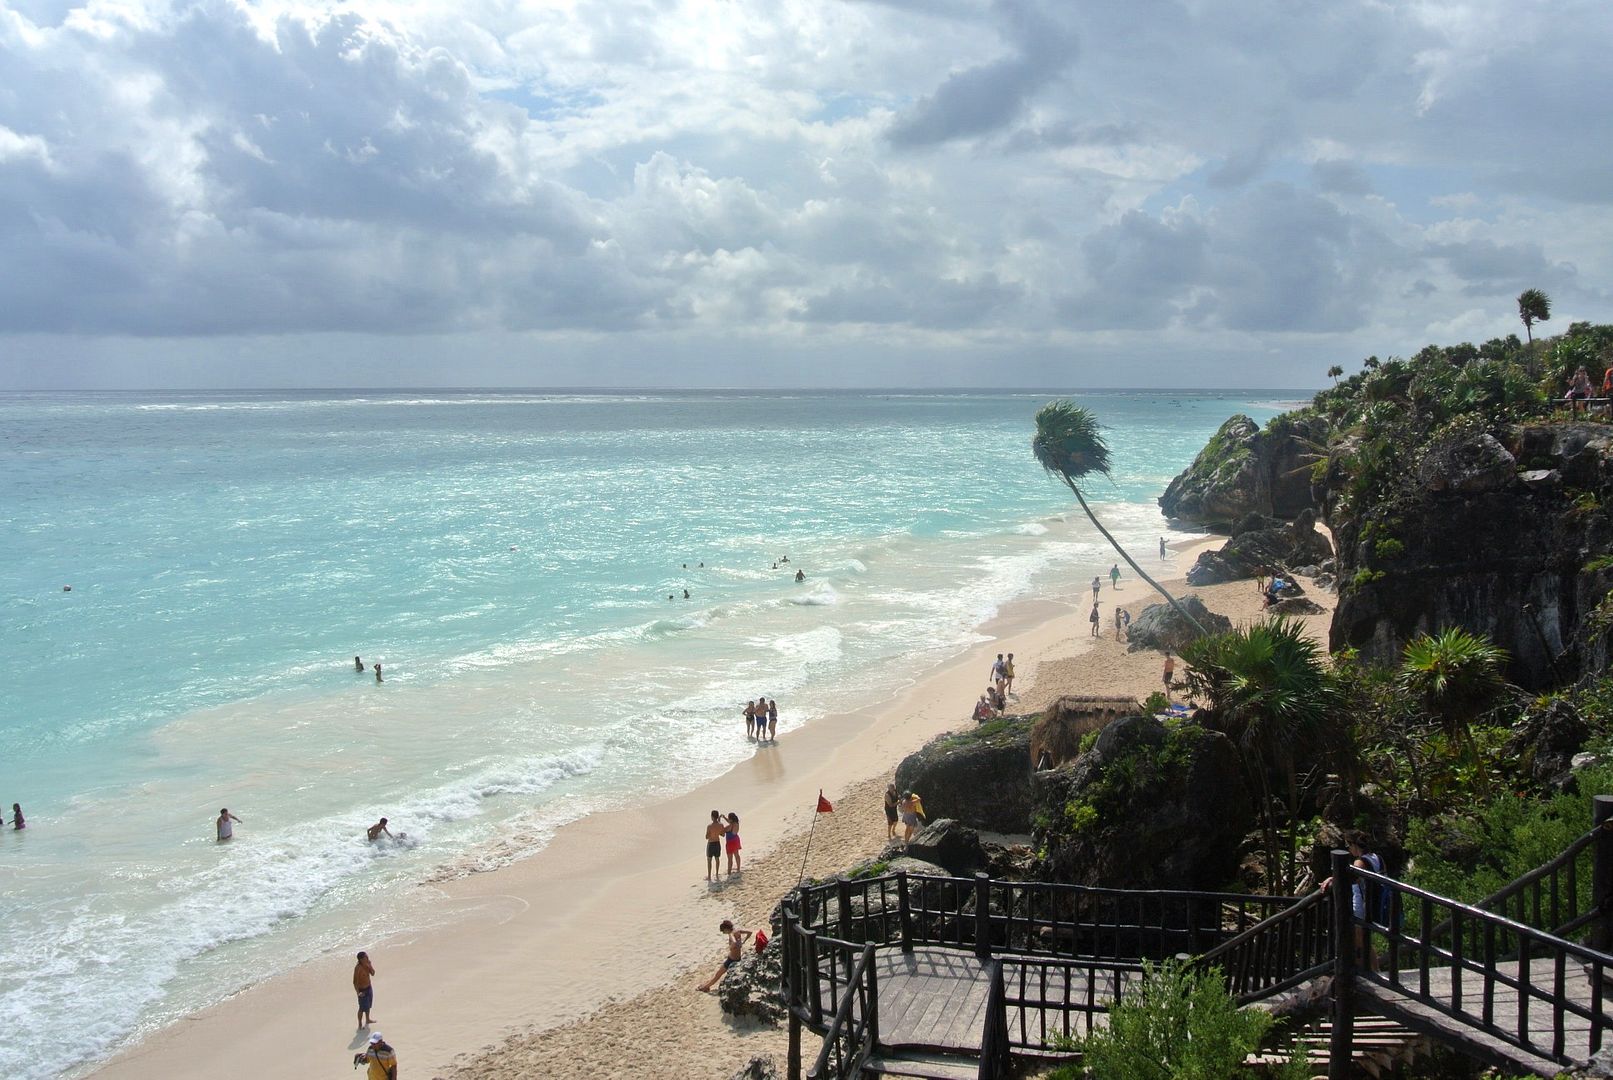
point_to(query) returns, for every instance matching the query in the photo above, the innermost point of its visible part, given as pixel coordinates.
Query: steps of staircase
(923, 1066)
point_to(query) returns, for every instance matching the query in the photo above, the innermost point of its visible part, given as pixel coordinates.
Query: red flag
(824, 806)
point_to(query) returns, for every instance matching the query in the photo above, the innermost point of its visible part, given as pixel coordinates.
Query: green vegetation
(1533, 306)
(1069, 444)
(1271, 694)
(1178, 1024)
(1455, 676)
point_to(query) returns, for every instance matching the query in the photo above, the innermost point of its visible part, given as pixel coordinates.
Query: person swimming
(800, 575)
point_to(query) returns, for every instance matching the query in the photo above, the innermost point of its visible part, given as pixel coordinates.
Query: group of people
(722, 837)
(358, 666)
(995, 699)
(1580, 389)
(761, 719)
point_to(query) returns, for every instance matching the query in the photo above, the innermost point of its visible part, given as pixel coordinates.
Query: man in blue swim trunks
(715, 831)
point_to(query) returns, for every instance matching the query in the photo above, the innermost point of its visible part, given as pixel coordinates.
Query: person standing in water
(16, 817)
(358, 664)
(379, 829)
(377, 672)
(1162, 547)
(800, 575)
(750, 719)
(225, 829)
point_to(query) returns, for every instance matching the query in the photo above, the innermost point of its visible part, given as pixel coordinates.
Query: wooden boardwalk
(1535, 1023)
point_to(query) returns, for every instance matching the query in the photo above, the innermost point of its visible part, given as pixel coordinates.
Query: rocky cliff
(1509, 536)
(1243, 470)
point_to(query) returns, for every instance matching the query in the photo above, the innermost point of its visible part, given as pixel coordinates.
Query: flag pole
(819, 808)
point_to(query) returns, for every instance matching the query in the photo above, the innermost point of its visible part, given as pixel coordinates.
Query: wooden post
(982, 915)
(1602, 874)
(809, 949)
(873, 997)
(792, 1068)
(905, 910)
(1341, 1048)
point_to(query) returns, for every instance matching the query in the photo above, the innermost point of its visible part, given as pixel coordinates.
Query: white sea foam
(1031, 528)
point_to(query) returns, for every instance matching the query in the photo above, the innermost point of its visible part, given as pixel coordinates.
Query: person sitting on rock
(736, 943)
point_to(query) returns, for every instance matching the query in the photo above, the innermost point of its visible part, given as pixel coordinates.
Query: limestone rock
(980, 777)
(1470, 464)
(1149, 806)
(752, 987)
(1244, 470)
(1161, 627)
(760, 1067)
(1546, 741)
(950, 844)
(1260, 543)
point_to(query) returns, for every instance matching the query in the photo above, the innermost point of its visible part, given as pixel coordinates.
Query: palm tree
(1270, 693)
(1533, 306)
(1069, 444)
(1334, 372)
(1455, 676)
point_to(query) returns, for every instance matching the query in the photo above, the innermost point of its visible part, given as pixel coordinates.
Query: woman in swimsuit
(733, 845)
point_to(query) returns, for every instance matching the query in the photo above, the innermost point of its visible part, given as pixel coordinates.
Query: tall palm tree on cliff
(1455, 676)
(1270, 693)
(1334, 372)
(1069, 444)
(1533, 306)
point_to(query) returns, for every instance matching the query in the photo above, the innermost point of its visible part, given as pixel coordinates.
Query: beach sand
(582, 960)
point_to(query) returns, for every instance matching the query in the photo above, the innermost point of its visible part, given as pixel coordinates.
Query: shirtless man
(715, 832)
(736, 942)
(225, 829)
(374, 832)
(363, 971)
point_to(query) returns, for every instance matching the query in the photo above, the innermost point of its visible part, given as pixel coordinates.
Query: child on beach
(735, 860)
(736, 944)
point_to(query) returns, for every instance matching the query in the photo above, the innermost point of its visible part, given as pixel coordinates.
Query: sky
(789, 192)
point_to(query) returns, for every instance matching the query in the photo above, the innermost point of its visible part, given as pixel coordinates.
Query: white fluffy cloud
(953, 178)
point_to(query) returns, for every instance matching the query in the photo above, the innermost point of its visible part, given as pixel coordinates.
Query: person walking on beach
(1008, 675)
(377, 672)
(1114, 576)
(382, 1059)
(225, 829)
(999, 671)
(363, 972)
(1170, 672)
(772, 720)
(1097, 583)
(732, 845)
(715, 831)
(736, 949)
(891, 800)
(1093, 618)
(750, 719)
(17, 821)
(376, 831)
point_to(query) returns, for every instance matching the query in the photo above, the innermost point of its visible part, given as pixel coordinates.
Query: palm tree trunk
(1169, 599)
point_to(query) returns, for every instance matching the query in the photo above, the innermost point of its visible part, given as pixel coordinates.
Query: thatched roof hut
(1061, 726)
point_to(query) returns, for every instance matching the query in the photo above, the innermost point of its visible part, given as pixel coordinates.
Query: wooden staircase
(1380, 1047)
(922, 1065)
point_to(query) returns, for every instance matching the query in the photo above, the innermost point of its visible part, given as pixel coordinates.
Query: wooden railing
(1554, 896)
(1459, 971)
(1289, 948)
(1049, 1001)
(854, 1032)
(995, 1052)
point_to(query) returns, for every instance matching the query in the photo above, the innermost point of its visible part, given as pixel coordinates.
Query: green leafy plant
(1455, 676)
(1156, 702)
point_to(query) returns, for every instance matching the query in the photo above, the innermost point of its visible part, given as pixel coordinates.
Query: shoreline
(514, 959)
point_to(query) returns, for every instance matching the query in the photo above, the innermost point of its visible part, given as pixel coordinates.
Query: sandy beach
(582, 960)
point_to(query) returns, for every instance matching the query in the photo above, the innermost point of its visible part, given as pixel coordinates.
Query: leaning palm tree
(1533, 306)
(1334, 372)
(1455, 676)
(1069, 444)
(1270, 693)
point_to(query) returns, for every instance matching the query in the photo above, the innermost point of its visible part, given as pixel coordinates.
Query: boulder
(979, 777)
(950, 844)
(1161, 627)
(752, 987)
(1295, 605)
(1150, 806)
(760, 1067)
(1467, 464)
(1260, 543)
(1244, 470)
(1545, 742)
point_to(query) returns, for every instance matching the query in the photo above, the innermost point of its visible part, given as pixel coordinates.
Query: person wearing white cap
(383, 1060)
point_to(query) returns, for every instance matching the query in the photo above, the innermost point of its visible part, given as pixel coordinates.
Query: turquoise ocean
(507, 557)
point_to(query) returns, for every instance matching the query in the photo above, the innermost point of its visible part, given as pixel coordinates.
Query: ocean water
(507, 558)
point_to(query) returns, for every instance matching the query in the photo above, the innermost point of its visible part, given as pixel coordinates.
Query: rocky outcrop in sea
(1243, 470)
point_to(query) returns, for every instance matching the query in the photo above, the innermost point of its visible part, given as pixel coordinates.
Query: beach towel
(761, 940)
